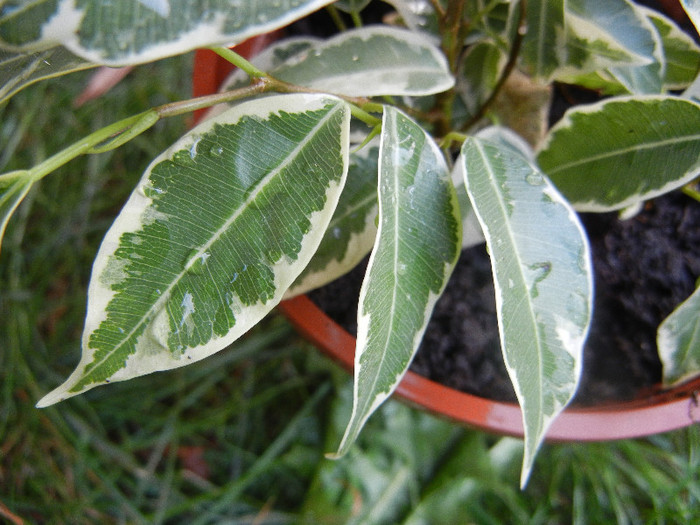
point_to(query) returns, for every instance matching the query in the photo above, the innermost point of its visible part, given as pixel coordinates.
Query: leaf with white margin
(542, 42)
(478, 74)
(19, 70)
(471, 229)
(370, 61)
(13, 188)
(131, 32)
(417, 246)
(682, 54)
(352, 230)
(221, 224)
(615, 153)
(678, 339)
(692, 7)
(542, 277)
(418, 15)
(625, 23)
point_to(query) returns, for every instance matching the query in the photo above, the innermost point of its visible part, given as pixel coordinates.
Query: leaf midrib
(503, 209)
(623, 151)
(165, 296)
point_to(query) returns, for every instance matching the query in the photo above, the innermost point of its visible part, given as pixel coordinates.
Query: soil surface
(644, 267)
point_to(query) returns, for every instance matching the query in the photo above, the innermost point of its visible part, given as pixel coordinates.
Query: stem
(101, 140)
(365, 117)
(337, 19)
(450, 138)
(691, 190)
(356, 19)
(239, 61)
(186, 106)
(507, 70)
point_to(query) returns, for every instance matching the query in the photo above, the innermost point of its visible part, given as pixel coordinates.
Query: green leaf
(678, 340)
(137, 31)
(542, 276)
(682, 54)
(613, 154)
(418, 15)
(19, 70)
(352, 230)
(415, 251)
(478, 74)
(13, 188)
(370, 61)
(692, 7)
(219, 227)
(542, 42)
(620, 25)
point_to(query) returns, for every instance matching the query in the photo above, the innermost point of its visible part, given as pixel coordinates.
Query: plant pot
(661, 411)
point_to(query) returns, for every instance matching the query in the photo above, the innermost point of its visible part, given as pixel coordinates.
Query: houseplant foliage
(374, 141)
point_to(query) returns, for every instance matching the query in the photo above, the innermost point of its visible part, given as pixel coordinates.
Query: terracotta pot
(661, 411)
(652, 414)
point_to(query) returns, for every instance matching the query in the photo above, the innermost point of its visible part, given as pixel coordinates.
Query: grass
(240, 437)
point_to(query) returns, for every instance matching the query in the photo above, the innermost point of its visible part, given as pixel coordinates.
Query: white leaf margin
(138, 209)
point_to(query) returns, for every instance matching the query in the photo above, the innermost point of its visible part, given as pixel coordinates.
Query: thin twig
(507, 70)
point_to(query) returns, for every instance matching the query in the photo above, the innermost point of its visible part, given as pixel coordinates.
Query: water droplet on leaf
(534, 179)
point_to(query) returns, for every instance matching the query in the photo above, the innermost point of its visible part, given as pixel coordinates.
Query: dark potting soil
(644, 267)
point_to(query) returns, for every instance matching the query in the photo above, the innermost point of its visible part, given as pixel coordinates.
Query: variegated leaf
(613, 154)
(542, 276)
(136, 31)
(352, 230)
(542, 42)
(219, 227)
(626, 44)
(692, 7)
(19, 70)
(370, 61)
(415, 251)
(678, 340)
(682, 54)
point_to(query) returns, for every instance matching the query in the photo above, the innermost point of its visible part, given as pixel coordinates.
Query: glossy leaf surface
(681, 53)
(370, 61)
(613, 154)
(542, 276)
(352, 230)
(219, 227)
(417, 245)
(136, 31)
(692, 7)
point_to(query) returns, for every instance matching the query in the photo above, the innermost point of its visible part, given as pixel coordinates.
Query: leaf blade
(370, 61)
(352, 230)
(613, 154)
(220, 225)
(678, 340)
(542, 276)
(131, 32)
(409, 266)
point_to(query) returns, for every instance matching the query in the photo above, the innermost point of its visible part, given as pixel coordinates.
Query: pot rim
(660, 411)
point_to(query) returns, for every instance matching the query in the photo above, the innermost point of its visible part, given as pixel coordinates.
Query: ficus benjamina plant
(406, 140)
